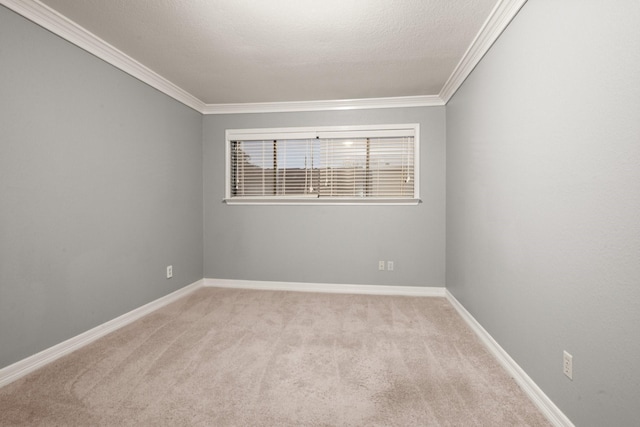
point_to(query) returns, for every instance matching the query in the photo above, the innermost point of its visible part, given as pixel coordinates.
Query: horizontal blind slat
(379, 166)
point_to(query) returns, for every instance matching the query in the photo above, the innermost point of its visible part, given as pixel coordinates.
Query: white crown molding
(58, 24)
(26, 366)
(501, 15)
(327, 105)
(537, 396)
(39, 13)
(332, 288)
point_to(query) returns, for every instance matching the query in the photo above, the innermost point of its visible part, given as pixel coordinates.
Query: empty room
(320, 213)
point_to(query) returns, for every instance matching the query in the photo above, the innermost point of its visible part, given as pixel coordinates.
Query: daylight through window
(323, 165)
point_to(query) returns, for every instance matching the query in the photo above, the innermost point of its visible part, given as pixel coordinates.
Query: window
(348, 164)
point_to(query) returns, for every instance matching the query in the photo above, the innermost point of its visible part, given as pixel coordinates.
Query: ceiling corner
(500, 17)
(58, 24)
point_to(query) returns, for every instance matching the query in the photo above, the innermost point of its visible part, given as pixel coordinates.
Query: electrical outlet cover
(567, 365)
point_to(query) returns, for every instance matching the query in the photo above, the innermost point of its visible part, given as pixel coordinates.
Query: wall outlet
(169, 271)
(381, 265)
(390, 265)
(567, 364)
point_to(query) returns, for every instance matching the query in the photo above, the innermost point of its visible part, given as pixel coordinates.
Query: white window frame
(357, 131)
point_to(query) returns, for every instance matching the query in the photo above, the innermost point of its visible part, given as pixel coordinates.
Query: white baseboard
(549, 409)
(327, 288)
(31, 363)
(537, 396)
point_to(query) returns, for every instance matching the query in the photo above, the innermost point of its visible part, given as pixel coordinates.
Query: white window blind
(327, 164)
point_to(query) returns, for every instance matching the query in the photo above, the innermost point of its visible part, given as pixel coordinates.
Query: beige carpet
(222, 357)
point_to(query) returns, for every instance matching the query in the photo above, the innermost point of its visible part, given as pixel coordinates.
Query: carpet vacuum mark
(228, 357)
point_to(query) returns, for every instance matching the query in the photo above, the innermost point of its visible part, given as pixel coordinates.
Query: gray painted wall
(543, 201)
(327, 244)
(101, 187)
(100, 190)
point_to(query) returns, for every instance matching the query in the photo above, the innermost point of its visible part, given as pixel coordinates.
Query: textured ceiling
(244, 51)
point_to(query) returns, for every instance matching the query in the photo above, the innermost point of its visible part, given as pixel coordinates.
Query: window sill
(349, 201)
